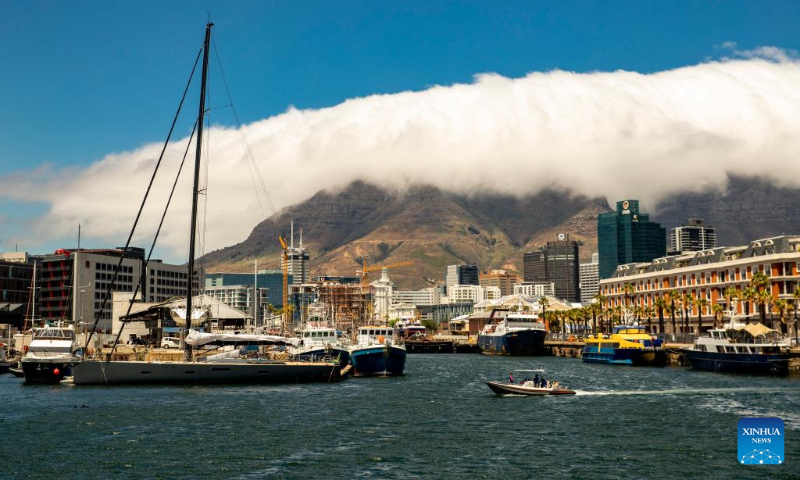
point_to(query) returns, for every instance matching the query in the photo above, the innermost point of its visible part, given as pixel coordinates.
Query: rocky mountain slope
(435, 228)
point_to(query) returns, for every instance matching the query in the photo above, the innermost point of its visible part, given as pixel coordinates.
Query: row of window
(108, 267)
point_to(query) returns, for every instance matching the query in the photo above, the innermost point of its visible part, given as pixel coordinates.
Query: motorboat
(627, 345)
(50, 356)
(740, 348)
(515, 334)
(527, 388)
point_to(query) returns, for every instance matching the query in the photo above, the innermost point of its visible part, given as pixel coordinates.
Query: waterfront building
(403, 311)
(692, 237)
(470, 293)
(426, 296)
(16, 288)
(589, 279)
(444, 312)
(706, 275)
(464, 274)
(74, 283)
(534, 289)
(242, 298)
(627, 236)
(501, 279)
(271, 280)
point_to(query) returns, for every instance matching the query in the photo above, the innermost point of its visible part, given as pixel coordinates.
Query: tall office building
(464, 274)
(297, 260)
(627, 236)
(590, 279)
(555, 263)
(692, 237)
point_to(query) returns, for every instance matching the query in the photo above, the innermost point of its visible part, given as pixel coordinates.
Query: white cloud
(614, 134)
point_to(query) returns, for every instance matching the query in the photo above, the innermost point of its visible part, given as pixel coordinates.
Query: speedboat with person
(535, 386)
(739, 348)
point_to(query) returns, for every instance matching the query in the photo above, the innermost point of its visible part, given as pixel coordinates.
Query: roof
(216, 308)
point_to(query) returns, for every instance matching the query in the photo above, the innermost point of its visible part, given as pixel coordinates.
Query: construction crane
(374, 268)
(285, 269)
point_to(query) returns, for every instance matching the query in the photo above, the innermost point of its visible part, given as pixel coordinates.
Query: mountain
(748, 209)
(431, 227)
(436, 228)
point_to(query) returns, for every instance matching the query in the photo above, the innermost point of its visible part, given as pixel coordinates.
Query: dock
(443, 344)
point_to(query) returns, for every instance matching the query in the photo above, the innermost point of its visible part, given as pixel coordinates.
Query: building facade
(692, 237)
(271, 280)
(590, 279)
(471, 293)
(241, 297)
(556, 263)
(426, 296)
(464, 274)
(533, 289)
(627, 236)
(706, 275)
(16, 292)
(297, 260)
(501, 279)
(534, 266)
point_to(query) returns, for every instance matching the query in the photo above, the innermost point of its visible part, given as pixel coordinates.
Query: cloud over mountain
(613, 134)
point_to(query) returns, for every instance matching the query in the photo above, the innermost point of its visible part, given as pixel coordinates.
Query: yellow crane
(285, 270)
(374, 268)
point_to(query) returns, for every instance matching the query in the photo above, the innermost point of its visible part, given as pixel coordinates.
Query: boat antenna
(199, 151)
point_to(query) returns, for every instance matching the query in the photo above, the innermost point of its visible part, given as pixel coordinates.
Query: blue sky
(84, 79)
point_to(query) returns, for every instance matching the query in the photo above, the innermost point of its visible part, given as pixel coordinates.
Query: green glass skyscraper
(627, 236)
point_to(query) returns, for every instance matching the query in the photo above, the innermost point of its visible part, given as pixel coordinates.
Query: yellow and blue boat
(627, 345)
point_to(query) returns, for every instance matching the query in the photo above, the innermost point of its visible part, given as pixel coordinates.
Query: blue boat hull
(318, 354)
(763, 364)
(624, 356)
(522, 343)
(381, 360)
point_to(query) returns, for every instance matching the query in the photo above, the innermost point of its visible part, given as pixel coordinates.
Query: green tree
(731, 294)
(700, 303)
(763, 298)
(760, 282)
(780, 306)
(660, 305)
(717, 310)
(748, 295)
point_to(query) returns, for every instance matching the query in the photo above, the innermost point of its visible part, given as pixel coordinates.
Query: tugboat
(375, 353)
(319, 342)
(751, 348)
(50, 355)
(515, 334)
(627, 345)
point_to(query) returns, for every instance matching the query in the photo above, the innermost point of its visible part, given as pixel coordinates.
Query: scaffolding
(348, 306)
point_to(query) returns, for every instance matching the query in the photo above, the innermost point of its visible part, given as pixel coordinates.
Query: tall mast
(201, 114)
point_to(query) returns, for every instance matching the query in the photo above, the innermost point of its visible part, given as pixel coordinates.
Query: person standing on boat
(536, 380)
(511, 378)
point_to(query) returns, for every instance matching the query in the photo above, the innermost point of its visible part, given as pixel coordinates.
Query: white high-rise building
(383, 295)
(426, 296)
(297, 258)
(471, 293)
(535, 289)
(695, 236)
(590, 279)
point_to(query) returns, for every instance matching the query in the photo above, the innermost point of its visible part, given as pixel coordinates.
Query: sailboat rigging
(217, 369)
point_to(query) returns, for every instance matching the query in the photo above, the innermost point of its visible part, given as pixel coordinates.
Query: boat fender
(381, 339)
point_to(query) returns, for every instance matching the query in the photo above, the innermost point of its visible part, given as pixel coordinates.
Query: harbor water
(438, 421)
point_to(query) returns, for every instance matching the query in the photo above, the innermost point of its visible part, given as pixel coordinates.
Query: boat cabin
(321, 336)
(375, 335)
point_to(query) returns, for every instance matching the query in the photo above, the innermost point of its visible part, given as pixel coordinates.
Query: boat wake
(680, 391)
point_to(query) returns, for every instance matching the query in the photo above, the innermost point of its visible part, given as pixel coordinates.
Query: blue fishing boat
(515, 334)
(376, 353)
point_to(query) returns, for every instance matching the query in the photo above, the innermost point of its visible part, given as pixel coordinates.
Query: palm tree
(673, 294)
(688, 301)
(731, 294)
(649, 312)
(717, 310)
(780, 306)
(544, 303)
(627, 289)
(763, 299)
(660, 305)
(601, 300)
(760, 282)
(796, 295)
(700, 303)
(748, 295)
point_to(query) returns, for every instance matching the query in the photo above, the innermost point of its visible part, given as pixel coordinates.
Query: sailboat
(221, 368)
